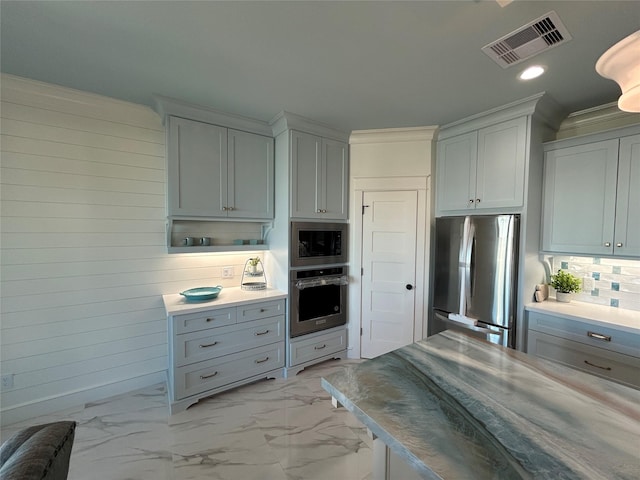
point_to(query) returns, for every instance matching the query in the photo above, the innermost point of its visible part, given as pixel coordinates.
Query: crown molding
(166, 106)
(394, 135)
(284, 121)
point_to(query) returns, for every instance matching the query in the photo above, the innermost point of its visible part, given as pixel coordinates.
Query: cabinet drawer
(211, 374)
(598, 361)
(193, 322)
(207, 344)
(308, 349)
(588, 334)
(260, 310)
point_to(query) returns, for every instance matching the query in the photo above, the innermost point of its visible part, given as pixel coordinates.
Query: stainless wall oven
(318, 299)
(318, 243)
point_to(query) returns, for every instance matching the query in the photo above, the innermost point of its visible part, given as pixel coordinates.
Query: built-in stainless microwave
(318, 243)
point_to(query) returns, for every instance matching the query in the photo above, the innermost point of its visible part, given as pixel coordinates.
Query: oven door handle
(321, 281)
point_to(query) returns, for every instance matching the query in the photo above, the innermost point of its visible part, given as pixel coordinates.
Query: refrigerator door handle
(488, 331)
(468, 270)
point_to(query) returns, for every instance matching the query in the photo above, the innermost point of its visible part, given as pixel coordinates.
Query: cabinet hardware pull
(319, 210)
(320, 348)
(210, 319)
(471, 201)
(262, 310)
(607, 244)
(230, 208)
(618, 244)
(207, 345)
(599, 336)
(262, 361)
(261, 333)
(224, 209)
(597, 366)
(204, 377)
(477, 200)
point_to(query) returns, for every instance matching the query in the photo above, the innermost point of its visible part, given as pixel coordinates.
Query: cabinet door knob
(224, 209)
(319, 210)
(618, 244)
(471, 201)
(477, 200)
(607, 244)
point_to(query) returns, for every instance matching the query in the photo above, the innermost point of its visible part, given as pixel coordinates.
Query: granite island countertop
(456, 407)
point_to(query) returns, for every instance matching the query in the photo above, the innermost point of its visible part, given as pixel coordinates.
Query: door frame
(360, 185)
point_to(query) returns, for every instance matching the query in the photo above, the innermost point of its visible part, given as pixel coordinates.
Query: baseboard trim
(77, 399)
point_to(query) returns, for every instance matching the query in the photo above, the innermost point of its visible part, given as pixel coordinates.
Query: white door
(389, 228)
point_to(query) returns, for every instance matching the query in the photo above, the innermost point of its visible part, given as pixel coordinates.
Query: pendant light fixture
(621, 63)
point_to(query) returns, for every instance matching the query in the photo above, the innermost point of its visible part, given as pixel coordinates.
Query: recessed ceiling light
(532, 72)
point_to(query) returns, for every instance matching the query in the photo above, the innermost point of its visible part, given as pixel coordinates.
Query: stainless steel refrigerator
(475, 276)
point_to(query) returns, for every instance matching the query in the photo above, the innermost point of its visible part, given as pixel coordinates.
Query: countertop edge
(389, 440)
(175, 304)
(620, 319)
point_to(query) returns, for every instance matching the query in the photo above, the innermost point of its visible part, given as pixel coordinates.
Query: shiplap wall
(82, 248)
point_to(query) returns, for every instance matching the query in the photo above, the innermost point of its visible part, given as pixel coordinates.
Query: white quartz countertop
(229, 297)
(626, 320)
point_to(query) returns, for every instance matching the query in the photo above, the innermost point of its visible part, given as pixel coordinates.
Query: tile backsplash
(616, 282)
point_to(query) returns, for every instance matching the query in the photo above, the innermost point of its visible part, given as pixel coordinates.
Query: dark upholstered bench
(39, 452)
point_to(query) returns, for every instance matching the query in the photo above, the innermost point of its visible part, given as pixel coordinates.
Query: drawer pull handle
(262, 361)
(597, 366)
(210, 319)
(204, 377)
(262, 310)
(324, 345)
(257, 334)
(207, 345)
(599, 336)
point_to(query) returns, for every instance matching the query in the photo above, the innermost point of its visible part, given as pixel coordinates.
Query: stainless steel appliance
(475, 276)
(318, 299)
(315, 243)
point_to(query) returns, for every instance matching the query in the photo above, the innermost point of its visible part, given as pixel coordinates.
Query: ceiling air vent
(542, 34)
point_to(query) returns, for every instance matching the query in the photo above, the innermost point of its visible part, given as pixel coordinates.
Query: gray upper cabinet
(483, 169)
(592, 194)
(250, 175)
(319, 177)
(217, 172)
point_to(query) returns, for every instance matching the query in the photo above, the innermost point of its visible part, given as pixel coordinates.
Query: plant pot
(563, 297)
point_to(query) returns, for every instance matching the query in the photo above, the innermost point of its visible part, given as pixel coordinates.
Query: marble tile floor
(283, 429)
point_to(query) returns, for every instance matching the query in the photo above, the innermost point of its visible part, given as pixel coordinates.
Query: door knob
(618, 244)
(607, 244)
(409, 286)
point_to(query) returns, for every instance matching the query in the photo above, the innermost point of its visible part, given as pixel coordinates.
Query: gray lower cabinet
(219, 349)
(316, 347)
(604, 351)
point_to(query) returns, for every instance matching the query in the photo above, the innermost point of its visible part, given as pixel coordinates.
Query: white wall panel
(82, 248)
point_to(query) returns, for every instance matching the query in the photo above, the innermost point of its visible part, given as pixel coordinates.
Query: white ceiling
(353, 65)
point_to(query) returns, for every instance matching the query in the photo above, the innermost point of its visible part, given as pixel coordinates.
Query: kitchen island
(456, 407)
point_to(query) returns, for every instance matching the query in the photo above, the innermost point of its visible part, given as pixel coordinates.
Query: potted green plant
(253, 265)
(565, 284)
